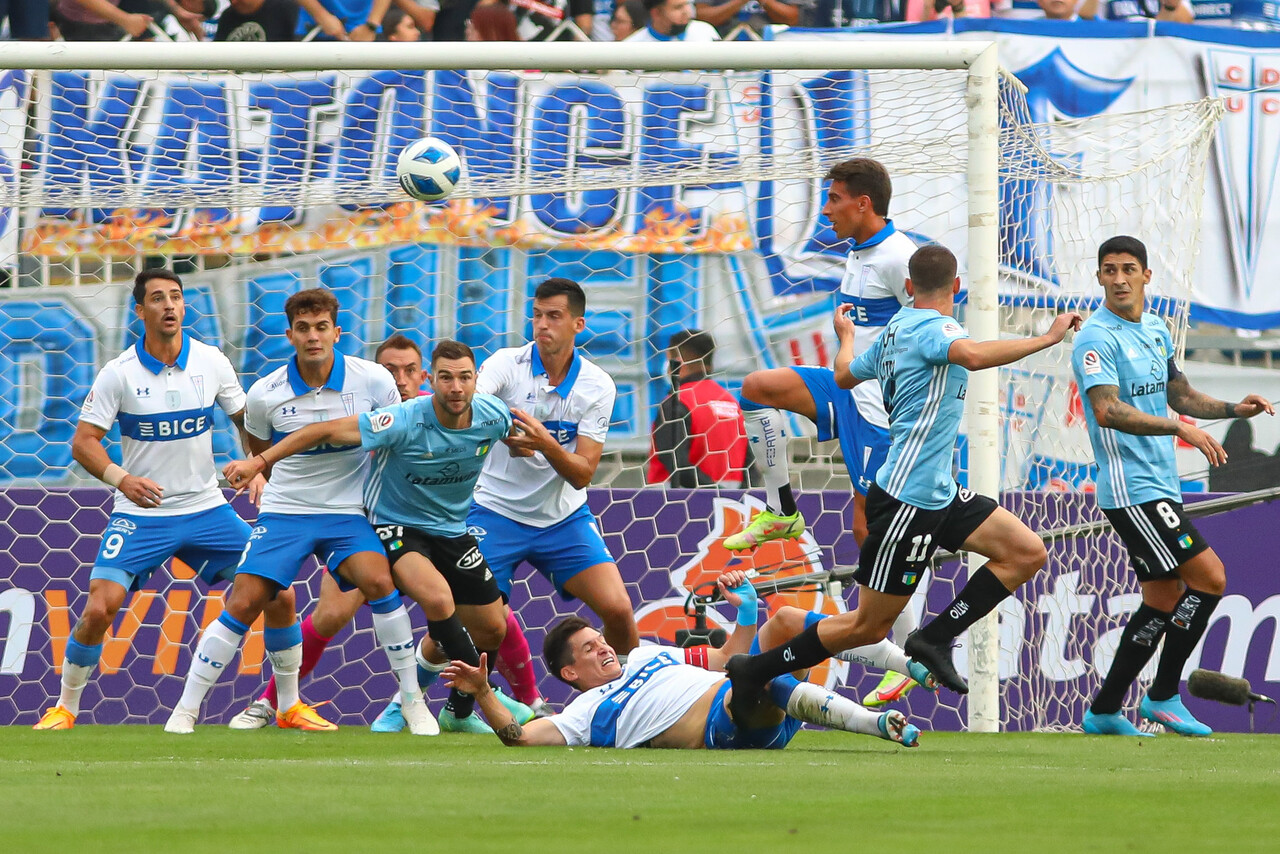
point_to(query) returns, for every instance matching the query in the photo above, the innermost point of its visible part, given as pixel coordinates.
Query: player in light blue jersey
(162, 392)
(874, 286)
(311, 506)
(1124, 362)
(922, 360)
(428, 453)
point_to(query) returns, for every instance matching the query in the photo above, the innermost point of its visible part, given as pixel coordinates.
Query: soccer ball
(428, 169)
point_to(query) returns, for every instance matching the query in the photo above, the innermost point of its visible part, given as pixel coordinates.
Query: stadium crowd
(540, 20)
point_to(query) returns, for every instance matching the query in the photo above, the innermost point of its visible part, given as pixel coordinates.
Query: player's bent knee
(98, 617)
(790, 619)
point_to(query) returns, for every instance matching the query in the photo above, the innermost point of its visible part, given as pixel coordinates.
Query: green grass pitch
(101, 789)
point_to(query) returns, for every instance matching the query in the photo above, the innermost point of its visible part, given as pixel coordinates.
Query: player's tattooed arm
(1110, 411)
(1186, 400)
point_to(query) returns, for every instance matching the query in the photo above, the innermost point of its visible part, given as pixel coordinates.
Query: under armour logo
(144, 392)
(288, 410)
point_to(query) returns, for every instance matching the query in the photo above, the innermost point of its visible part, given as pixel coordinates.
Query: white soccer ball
(429, 169)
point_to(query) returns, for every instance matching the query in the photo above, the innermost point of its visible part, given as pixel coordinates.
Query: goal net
(679, 198)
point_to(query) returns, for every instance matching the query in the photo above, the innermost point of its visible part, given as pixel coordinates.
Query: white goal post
(954, 119)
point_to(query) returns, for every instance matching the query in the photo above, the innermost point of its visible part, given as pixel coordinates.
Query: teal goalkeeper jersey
(424, 473)
(1137, 358)
(924, 396)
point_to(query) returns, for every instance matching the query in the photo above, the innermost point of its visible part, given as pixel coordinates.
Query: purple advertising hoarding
(1057, 635)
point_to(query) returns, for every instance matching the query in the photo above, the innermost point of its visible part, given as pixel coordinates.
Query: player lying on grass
(673, 698)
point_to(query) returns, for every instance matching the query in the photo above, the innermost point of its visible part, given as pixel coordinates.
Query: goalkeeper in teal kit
(1124, 361)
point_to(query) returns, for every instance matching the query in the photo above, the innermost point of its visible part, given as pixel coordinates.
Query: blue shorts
(865, 445)
(280, 542)
(134, 547)
(723, 734)
(559, 552)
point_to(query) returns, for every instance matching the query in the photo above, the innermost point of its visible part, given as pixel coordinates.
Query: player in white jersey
(312, 505)
(874, 285)
(162, 392)
(677, 698)
(531, 502)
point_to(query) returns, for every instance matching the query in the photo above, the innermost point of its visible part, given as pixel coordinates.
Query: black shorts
(458, 559)
(901, 538)
(1159, 536)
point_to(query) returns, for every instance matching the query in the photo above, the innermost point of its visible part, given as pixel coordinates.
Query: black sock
(1137, 644)
(979, 597)
(787, 501)
(802, 651)
(452, 638)
(1186, 626)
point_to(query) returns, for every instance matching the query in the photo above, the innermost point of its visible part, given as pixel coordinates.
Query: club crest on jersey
(1092, 363)
(483, 447)
(197, 380)
(379, 421)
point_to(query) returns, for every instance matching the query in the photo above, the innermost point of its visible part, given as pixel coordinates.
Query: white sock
(814, 704)
(218, 644)
(395, 635)
(74, 678)
(767, 431)
(285, 664)
(907, 622)
(885, 655)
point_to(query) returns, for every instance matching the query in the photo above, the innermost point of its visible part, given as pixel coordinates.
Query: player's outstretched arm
(739, 593)
(340, 431)
(980, 355)
(844, 355)
(87, 450)
(1113, 413)
(1186, 400)
(475, 681)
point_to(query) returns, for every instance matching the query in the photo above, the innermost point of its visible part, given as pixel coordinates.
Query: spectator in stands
(825, 14)
(452, 19)
(544, 20)
(1177, 11)
(259, 21)
(98, 21)
(28, 19)
(423, 13)
(727, 15)
(343, 20)
(1046, 10)
(673, 20)
(492, 22)
(699, 438)
(399, 26)
(629, 16)
(928, 10)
